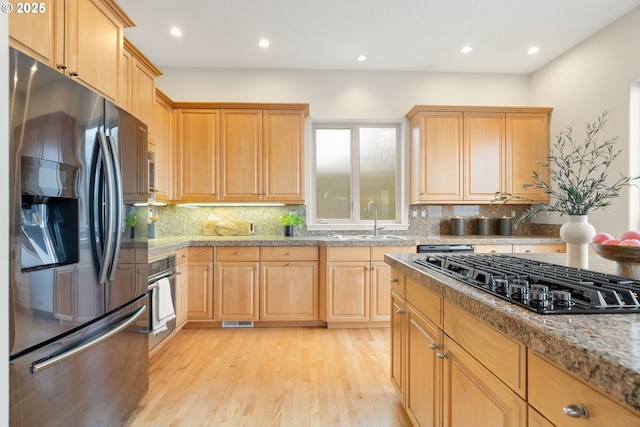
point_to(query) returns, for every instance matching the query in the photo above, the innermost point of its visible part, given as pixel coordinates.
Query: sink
(364, 237)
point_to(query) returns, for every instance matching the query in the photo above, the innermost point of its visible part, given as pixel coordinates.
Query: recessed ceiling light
(175, 31)
(466, 49)
(533, 49)
(362, 58)
(264, 43)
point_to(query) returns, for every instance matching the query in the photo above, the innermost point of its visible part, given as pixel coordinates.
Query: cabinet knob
(288, 253)
(394, 280)
(288, 264)
(434, 346)
(442, 355)
(74, 74)
(237, 252)
(400, 311)
(577, 410)
(61, 66)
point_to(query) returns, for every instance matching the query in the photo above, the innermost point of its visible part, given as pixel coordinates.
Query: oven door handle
(154, 281)
(85, 343)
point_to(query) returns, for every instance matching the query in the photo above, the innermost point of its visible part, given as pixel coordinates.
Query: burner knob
(519, 291)
(561, 298)
(501, 286)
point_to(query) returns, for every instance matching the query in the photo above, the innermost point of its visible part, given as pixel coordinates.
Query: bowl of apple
(624, 251)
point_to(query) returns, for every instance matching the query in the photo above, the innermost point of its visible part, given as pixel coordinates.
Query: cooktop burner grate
(539, 286)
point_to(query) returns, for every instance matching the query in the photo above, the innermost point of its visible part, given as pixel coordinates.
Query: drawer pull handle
(237, 253)
(394, 280)
(400, 311)
(577, 410)
(434, 346)
(442, 355)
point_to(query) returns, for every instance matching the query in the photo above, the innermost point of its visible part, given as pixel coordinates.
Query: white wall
(4, 221)
(345, 94)
(594, 76)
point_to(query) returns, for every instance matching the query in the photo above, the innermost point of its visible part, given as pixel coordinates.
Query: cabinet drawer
(532, 249)
(238, 253)
(142, 256)
(551, 389)
(398, 282)
(200, 254)
(494, 249)
(345, 253)
(127, 256)
(496, 351)
(182, 255)
(427, 302)
(377, 252)
(289, 253)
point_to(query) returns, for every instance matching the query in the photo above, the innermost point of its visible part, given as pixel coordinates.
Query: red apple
(630, 242)
(613, 242)
(631, 234)
(601, 237)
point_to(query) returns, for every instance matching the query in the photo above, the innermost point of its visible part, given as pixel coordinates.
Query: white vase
(577, 233)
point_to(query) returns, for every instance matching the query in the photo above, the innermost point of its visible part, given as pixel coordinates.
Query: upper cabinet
(467, 154)
(81, 38)
(137, 91)
(164, 155)
(240, 152)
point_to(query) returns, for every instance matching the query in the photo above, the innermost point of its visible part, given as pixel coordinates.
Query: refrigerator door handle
(107, 253)
(117, 203)
(84, 344)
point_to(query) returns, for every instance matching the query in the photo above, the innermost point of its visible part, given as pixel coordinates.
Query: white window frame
(401, 221)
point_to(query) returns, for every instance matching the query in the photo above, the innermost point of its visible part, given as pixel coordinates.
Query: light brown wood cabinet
(521, 248)
(137, 93)
(133, 158)
(81, 38)
(236, 281)
(289, 283)
(467, 154)
(240, 153)
(165, 151)
(200, 283)
(182, 288)
(355, 283)
(197, 175)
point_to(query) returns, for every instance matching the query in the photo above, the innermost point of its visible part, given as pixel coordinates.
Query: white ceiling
(412, 35)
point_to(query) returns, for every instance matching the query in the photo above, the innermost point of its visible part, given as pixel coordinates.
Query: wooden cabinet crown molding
(241, 105)
(140, 57)
(119, 13)
(474, 108)
(161, 96)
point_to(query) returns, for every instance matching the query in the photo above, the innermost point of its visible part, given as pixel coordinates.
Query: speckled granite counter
(168, 244)
(601, 349)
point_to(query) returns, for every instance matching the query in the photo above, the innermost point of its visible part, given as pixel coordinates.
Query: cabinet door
(527, 144)
(236, 294)
(144, 94)
(34, 33)
(199, 159)
(133, 160)
(182, 295)
(241, 154)
(380, 291)
(163, 137)
(283, 155)
(199, 304)
(348, 291)
(484, 155)
(94, 46)
(398, 352)
(289, 290)
(424, 370)
(473, 396)
(436, 156)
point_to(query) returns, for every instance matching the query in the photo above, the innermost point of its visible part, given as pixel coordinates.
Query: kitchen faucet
(375, 216)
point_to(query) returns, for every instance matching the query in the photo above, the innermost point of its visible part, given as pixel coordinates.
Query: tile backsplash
(423, 219)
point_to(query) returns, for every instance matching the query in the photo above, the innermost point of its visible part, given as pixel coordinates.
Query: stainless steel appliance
(437, 249)
(539, 286)
(78, 348)
(161, 268)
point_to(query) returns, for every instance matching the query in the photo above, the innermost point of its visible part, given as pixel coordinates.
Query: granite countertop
(167, 244)
(601, 349)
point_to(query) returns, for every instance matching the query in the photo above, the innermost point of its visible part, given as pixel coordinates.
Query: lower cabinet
(521, 249)
(200, 283)
(235, 285)
(182, 288)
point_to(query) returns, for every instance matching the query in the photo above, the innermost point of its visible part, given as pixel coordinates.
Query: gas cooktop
(539, 286)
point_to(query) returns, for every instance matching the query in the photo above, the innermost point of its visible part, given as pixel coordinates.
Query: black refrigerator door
(99, 385)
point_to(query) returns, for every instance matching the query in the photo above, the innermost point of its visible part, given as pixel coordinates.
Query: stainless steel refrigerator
(78, 340)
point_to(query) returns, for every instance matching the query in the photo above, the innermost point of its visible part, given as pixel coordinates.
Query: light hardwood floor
(266, 377)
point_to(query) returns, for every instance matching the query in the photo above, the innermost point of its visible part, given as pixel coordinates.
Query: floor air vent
(237, 324)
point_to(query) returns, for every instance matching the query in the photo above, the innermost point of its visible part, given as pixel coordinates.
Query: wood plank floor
(272, 377)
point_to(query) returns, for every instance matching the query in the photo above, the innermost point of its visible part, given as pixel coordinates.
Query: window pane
(333, 173)
(378, 171)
